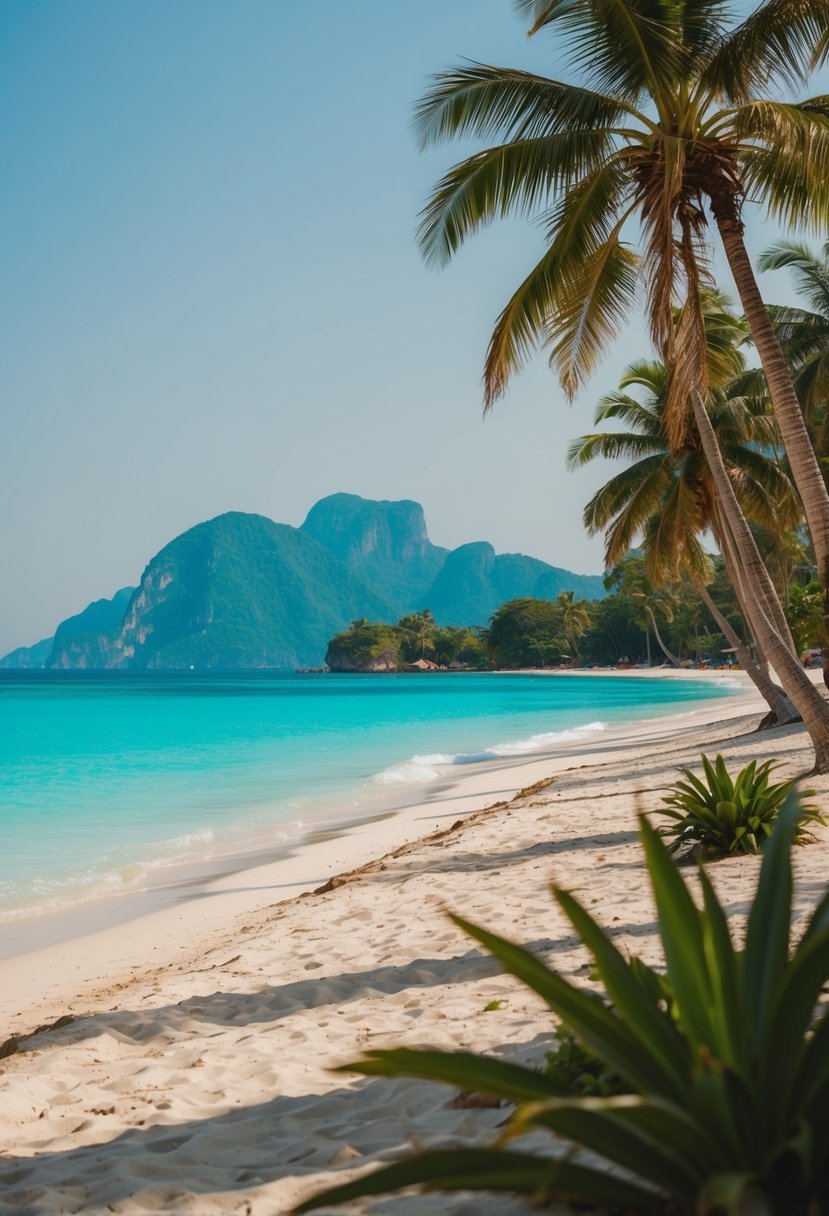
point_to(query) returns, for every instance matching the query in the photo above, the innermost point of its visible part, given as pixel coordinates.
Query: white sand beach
(189, 1069)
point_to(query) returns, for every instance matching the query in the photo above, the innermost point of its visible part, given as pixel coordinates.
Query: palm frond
(612, 445)
(704, 23)
(670, 536)
(687, 363)
(519, 176)
(645, 416)
(789, 126)
(802, 333)
(623, 505)
(483, 101)
(793, 185)
(592, 312)
(811, 274)
(626, 46)
(579, 227)
(645, 373)
(776, 41)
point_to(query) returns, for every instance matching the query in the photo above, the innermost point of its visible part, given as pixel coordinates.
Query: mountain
(385, 542)
(475, 581)
(96, 617)
(27, 658)
(242, 591)
(236, 591)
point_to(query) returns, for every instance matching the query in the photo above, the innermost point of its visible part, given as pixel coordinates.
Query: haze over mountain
(242, 591)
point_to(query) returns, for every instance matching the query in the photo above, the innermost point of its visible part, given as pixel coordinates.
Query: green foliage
(363, 644)
(493, 1006)
(722, 816)
(729, 1078)
(804, 613)
(458, 645)
(577, 1070)
(417, 635)
(533, 632)
(527, 633)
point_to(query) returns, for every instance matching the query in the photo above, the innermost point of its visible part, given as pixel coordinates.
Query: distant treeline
(637, 622)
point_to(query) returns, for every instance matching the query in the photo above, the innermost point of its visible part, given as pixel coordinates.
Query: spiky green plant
(721, 815)
(730, 1079)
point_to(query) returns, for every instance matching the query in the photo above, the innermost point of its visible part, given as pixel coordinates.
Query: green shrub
(728, 1067)
(721, 815)
(575, 1069)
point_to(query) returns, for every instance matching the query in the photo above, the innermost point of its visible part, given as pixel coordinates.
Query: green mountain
(386, 543)
(27, 658)
(474, 581)
(236, 591)
(243, 591)
(95, 618)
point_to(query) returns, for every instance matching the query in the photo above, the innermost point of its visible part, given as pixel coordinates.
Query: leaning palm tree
(675, 121)
(666, 500)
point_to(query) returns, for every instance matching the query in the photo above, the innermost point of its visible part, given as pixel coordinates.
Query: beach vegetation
(804, 613)
(720, 815)
(417, 635)
(670, 120)
(666, 498)
(364, 646)
(529, 632)
(803, 333)
(728, 1109)
(367, 646)
(578, 1071)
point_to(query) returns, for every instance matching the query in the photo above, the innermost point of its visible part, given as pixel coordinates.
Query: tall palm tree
(667, 500)
(670, 128)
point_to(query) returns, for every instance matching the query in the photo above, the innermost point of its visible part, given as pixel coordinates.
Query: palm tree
(669, 499)
(419, 630)
(668, 129)
(575, 616)
(803, 333)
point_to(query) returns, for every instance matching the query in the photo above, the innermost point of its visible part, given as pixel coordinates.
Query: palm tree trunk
(782, 710)
(766, 591)
(761, 585)
(802, 459)
(658, 636)
(811, 706)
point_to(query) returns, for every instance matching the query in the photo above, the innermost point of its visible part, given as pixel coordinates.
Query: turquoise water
(106, 777)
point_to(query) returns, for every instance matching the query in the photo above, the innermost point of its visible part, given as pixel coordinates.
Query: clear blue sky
(213, 300)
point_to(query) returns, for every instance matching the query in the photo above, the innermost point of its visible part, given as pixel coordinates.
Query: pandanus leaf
(585, 1013)
(544, 1179)
(681, 930)
(459, 1068)
(767, 935)
(632, 999)
(655, 1153)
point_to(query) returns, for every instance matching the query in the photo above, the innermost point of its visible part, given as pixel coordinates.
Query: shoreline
(183, 1062)
(167, 885)
(126, 931)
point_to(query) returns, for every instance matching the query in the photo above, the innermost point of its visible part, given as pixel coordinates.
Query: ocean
(109, 779)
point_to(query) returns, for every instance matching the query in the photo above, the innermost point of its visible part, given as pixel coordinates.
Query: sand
(194, 1074)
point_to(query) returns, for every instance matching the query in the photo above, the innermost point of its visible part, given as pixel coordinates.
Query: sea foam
(429, 767)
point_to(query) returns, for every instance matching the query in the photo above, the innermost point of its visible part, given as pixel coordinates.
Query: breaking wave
(429, 767)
